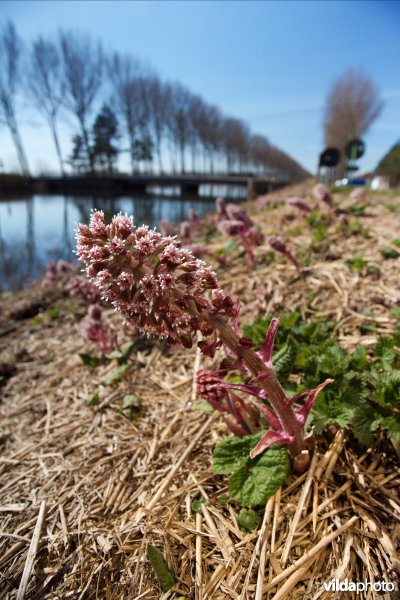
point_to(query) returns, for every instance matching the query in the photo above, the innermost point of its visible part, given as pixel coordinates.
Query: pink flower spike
(268, 344)
(271, 437)
(321, 193)
(303, 412)
(299, 203)
(279, 244)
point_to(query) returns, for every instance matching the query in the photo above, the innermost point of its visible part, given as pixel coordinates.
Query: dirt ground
(87, 485)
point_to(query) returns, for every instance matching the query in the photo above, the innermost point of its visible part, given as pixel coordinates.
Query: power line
(285, 114)
(289, 113)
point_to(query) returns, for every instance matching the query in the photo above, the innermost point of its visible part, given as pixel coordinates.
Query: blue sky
(269, 63)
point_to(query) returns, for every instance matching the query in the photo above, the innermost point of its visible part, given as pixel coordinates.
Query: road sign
(329, 157)
(355, 149)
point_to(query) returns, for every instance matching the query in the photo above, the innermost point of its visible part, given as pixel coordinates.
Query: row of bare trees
(162, 126)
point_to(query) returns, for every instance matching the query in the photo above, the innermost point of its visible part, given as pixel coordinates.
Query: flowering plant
(234, 221)
(279, 244)
(163, 290)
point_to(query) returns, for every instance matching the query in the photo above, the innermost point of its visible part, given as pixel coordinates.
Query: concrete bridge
(189, 184)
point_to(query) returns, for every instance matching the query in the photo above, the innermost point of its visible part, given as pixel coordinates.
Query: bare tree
(236, 144)
(10, 63)
(159, 115)
(82, 63)
(352, 105)
(47, 85)
(180, 122)
(130, 82)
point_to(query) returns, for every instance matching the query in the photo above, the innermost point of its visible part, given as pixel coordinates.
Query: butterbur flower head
(95, 312)
(279, 244)
(321, 193)
(299, 203)
(51, 272)
(63, 267)
(158, 286)
(93, 329)
(234, 211)
(83, 288)
(208, 384)
(185, 230)
(231, 227)
(194, 219)
(343, 218)
(166, 228)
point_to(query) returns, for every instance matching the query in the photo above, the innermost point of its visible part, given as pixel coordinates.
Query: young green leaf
(130, 401)
(248, 519)
(197, 503)
(116, 375)
(125, 354)
(392, 425)
(165, 577)
(89, 359)
(359, 358)
(256, 481)
(233, 452)
(388, 252)
(284, 358)
(363, 425)
(203, 406)
(94, 399)
(357, 262)
(53, 312)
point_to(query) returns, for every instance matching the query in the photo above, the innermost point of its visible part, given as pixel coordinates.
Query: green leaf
(197, 503)
(165, 577)
(223, 499)
(330, 413)
(89, 360)
(362, 424)
(359, 358)
(130, 401)
(124, 356)
(256, 481)
(53, 312)
(229, 247)
(233, 452)
(392, 425)
(248, 519)
(116, 375)
(203, 406)
(284, 358)
(388, 252)
(357, 262)
(94, 399)
(357, 210)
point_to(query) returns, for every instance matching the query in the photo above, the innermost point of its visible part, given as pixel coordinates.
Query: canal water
(37, 229)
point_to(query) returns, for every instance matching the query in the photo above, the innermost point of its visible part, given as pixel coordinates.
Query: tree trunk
(13, 127)
(53, 128)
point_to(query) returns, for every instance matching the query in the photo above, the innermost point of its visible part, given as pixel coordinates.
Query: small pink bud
(321, 193)
(299, 203)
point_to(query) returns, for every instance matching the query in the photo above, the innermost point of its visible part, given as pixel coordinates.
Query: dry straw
(112, 485)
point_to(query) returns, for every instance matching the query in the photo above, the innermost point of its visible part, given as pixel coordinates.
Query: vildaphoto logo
(335, 585)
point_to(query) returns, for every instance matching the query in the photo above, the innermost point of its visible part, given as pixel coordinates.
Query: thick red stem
(269, 382)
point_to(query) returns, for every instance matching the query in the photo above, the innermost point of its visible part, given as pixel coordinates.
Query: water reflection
(41, 228)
